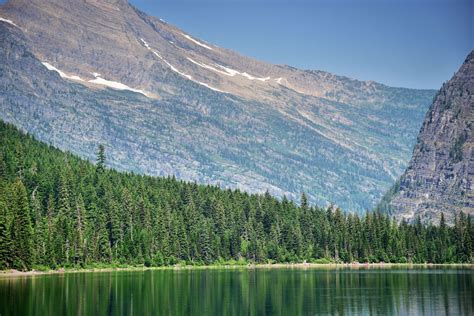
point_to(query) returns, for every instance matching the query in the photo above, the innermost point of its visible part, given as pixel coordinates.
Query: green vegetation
(57, 210)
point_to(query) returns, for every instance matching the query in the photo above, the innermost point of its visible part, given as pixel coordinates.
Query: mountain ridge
(339, 136)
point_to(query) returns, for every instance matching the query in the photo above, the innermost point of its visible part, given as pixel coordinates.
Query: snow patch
(98, 80)
(176, 70)
(189, 77)
(233, 72)
(157, 55)
(115, 85)
(279, 80)
(227, 71)
(150, 49)
(208, 86)
(196, 41)
(210, 67)
(9, 22)
(254, 78)
(61, 73)
(230, 71)
(145, 43)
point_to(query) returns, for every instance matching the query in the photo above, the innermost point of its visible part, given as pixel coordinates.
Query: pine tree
(306, 226)
(20, 161)
(41, 241)
(50, 255)
(79, 231)
(205, 248)
(115, 229)
(3, 168)
(6, 258)
(443, 240)
(22, 232)
(469, 239)
(100, 167)
(127, 218)
(63, 226)
(164, 216)
(182, 238)
(81, 213)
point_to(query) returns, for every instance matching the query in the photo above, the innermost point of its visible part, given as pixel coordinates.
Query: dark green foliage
(21, 231)
(60, 210)
(101, 159)
(6, 256)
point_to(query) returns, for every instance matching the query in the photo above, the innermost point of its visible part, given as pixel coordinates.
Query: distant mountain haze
(79, 73)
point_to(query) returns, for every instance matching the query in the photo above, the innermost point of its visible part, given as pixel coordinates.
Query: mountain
(440, 176)
(78, 73)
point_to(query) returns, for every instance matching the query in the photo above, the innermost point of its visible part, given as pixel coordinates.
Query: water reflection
(243, 292)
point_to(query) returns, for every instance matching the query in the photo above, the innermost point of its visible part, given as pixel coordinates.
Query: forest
(57, 210)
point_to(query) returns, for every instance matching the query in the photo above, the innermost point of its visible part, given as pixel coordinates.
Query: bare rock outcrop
(440, 176)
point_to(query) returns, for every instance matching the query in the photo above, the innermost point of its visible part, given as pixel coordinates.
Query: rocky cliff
(440, 176)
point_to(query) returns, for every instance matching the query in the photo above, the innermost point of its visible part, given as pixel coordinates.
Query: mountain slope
(440, 176)
(181, 106)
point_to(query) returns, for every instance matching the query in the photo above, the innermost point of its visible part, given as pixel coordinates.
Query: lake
(243, 291)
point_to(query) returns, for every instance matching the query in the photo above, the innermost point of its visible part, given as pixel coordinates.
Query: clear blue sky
(407, 43)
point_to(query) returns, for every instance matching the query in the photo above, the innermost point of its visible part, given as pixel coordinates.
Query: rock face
(440, 176)
(81, 72)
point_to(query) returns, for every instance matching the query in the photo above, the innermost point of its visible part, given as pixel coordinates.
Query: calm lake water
(394, 291)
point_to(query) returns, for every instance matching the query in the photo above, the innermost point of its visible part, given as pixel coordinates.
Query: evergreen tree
(100, 159)
(22, 232)
(20, 161)
(306, 226)
(6, 258)
(80, 213)
(3, 168)
(79, 231)
(442, 247)
(206, 253)
(63, 227)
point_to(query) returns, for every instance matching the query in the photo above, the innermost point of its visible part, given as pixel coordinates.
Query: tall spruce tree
(6, 258)
(100, 167)
(22, 232)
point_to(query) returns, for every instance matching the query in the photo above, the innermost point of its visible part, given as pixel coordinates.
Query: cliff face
(164, 102)
(440, 176)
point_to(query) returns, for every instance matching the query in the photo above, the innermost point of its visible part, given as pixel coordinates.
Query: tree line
(57, 210)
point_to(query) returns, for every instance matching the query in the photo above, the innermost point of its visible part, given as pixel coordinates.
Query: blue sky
(407, 43)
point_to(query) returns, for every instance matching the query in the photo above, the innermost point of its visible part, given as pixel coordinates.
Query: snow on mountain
(212, 115)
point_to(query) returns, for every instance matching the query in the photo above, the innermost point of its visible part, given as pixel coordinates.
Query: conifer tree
(101, 159)
(6, 258)
(66, 211)
(22, 232)
(443, 240)
(79, 231)
(50, 255)
(205, 247)
(20, 161)
(3, 168)
(64, 219)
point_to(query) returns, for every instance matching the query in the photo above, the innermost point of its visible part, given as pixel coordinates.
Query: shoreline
(329, 266)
